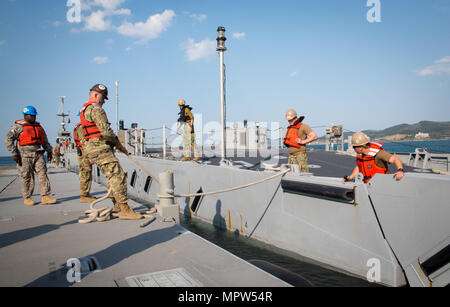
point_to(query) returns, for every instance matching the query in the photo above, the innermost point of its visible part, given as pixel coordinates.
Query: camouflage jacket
(95, 114)
(78, 131)
(25, 151)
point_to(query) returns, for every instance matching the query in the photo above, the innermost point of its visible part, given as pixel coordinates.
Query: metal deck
(36, 243)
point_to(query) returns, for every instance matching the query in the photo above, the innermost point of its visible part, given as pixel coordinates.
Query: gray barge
(393, 233)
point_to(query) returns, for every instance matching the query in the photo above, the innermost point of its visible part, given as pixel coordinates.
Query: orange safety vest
(33, 134)
(292, 136)
(77, 140)
(366, 163)
(90, 130)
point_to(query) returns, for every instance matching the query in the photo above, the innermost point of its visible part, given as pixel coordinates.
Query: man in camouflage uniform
(100, 142)
(84, 166)
(57, 154)
(297, 136)
(187, 119)
(29, 156)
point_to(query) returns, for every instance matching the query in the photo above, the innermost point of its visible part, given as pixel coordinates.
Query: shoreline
(6, 168)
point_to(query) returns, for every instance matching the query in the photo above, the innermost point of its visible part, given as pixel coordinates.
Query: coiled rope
(106, 213)
(97, 215)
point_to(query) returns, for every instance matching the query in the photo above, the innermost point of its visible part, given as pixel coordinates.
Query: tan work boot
(197, 159)
(126, 213)
(116, 207)
(186, 159)
(28, 202)
(87, 199)
(47, 200)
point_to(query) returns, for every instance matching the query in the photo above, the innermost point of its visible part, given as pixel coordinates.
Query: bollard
(167, 207)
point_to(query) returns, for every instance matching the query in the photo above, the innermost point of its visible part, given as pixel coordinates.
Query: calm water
(442, 146)
(249, 249)
(7, 161)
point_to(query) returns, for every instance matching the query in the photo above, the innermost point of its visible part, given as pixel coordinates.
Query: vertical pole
(164, 142)
(222, 106)
(142, 142)
(135, 141)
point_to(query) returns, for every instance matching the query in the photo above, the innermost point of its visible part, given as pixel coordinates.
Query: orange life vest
(90, 130)
(33, 134)
(292, 136)
(366, 163)
(75, 137)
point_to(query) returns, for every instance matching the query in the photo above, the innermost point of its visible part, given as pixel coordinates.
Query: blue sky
(322, 58)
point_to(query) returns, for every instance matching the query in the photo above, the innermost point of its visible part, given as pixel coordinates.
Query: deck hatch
(172, 278)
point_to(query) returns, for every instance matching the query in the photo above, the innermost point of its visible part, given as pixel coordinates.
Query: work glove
(122, 149)
(79, 152)
(17, 159)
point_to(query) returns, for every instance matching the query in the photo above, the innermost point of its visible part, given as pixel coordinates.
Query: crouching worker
(372, 159)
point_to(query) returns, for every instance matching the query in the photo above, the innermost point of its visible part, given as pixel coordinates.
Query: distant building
(421, 135)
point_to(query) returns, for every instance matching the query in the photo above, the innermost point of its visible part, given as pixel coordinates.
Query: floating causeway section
(41, 245)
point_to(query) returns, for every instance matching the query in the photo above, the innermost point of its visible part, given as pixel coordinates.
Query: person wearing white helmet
(298, 135)
(372, 159)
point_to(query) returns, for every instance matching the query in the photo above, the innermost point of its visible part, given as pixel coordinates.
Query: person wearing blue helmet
(27, 142)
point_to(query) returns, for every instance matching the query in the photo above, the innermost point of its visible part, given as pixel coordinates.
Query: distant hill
(436, 130)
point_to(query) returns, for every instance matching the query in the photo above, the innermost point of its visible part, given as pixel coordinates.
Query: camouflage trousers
(30, 165)
(301, 159)
(57, 160)
(85, 174)
(115, 176)
(189, 141)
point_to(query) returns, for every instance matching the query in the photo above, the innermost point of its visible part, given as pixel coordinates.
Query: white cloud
(96, 22)
(198, 17)
(128, 49)
(100, 60)
(239, 35)
(110, 41)
(444, 60)
(57, 23)
(441, 66)
(150, 29)
(293, 74)
(2, 43)
(201, 50)
(121, 12)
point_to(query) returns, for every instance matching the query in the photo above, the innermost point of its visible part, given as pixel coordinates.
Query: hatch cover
(171, 278)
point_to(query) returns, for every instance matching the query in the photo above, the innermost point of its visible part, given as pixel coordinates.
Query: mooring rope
(97, 215)
(228, 189)
(143, 168)
(106, 213)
